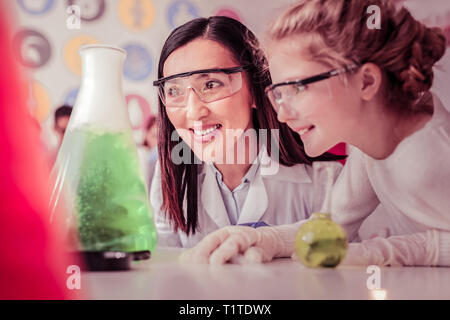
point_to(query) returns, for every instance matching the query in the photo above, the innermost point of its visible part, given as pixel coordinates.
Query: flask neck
(100, 102)
(102, 68)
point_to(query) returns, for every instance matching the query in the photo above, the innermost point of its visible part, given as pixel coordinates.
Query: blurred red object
(32, 263)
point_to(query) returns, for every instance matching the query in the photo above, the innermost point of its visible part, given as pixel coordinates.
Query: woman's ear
(370, 78)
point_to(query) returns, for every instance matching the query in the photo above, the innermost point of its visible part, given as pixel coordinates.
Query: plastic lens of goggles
(209, 87)
(283, 95)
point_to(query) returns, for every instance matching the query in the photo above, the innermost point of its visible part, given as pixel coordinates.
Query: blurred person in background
(151, 143)
(61, 121)
(62, 117)
(148, 151)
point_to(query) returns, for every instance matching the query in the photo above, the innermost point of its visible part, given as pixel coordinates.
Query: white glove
(241, 244)
(419, 249)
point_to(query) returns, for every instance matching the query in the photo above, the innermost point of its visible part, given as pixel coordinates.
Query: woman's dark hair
(179, 181)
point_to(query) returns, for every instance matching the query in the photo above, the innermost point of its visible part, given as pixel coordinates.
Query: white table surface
(163, 277)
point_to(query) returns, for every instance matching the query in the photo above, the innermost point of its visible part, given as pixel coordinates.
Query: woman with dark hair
(235, 163)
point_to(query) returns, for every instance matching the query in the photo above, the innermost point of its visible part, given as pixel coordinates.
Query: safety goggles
(208, 84)
(286, 93)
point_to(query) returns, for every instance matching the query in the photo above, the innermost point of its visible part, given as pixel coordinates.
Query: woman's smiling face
(201, 125)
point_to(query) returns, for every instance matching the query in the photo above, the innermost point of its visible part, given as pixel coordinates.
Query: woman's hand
(237, 244)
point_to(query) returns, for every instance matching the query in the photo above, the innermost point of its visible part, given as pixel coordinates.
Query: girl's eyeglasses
(283, 93)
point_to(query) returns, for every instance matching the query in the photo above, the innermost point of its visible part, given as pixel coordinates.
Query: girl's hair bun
(426, 50)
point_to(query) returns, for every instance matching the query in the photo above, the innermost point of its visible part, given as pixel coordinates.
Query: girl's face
(324, 114)
(203, 125)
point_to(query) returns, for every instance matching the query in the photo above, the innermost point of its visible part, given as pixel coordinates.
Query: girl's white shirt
(412, 185)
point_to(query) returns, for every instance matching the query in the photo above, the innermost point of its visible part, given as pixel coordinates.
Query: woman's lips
(205, 133)
(303, 130)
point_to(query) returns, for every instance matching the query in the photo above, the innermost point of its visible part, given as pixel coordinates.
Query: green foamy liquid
(111, 198)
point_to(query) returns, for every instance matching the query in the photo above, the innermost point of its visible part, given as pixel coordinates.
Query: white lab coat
(282, 198)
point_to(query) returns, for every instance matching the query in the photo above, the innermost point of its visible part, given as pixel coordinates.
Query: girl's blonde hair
(338, 34)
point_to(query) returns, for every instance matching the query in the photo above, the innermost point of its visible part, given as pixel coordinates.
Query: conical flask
(99, 191)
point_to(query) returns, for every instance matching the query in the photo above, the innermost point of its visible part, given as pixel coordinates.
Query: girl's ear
(370, 77)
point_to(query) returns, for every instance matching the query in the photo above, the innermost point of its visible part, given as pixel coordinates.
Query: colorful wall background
(50, 32)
